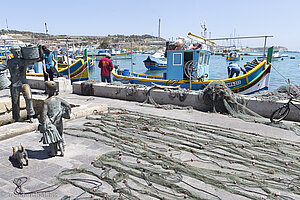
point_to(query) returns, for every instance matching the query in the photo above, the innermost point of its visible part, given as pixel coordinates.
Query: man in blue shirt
(234, 68)
(48, 64)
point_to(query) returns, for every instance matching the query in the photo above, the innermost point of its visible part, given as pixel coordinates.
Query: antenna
(6, 24)
(203, 26)
(46, 28)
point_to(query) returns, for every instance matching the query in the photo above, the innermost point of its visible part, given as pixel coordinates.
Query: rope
(22, 180)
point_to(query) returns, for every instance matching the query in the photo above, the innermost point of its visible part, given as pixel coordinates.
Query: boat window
(205, 59)
(208, 59)
(177, 59)
(200, 58)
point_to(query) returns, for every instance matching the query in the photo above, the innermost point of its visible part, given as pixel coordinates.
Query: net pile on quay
(165, 158)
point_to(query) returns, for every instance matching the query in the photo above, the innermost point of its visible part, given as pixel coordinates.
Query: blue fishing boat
(190, 69)
(152, 64)
(79, 71)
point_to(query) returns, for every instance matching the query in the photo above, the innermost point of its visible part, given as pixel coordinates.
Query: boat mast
(131, 59)
(67, 46)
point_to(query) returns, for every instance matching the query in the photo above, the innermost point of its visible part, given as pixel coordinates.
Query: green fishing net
(150, 157)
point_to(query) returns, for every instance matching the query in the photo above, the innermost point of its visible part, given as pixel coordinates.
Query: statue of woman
(51, 124)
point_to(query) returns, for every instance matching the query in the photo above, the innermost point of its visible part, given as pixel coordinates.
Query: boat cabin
(187, 65)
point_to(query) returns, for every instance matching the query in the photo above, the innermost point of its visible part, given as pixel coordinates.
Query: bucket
(4, 81)
(30, 52)
(165, 75)
(126, 72)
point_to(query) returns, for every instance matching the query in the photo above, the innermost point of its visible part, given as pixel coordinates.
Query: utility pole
(159, 29)
(46, 28)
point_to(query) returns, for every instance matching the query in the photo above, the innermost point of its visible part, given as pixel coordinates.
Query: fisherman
(106, 67)
(196, 46)
(17, 68)
(234, 68)
(51, 124)
(179, 44)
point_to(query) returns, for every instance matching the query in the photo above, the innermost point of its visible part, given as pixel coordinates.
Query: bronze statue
(51, 124)
(20, 155)
(17, 68)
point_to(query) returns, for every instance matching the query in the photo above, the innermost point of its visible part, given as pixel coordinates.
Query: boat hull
(254, 81)
(153, 65)
(233, 58)
(79, 71)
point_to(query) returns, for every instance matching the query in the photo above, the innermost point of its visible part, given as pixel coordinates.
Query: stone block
(77, 87)
(63, 84)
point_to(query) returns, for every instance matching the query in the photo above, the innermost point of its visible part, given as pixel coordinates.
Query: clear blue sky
(178, 17)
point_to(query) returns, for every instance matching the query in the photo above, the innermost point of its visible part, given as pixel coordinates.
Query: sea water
(283, 69)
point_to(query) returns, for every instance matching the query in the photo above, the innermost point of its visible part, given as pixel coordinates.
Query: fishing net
(221, 99)
(147, 157)
(282, 93)
(173, 92)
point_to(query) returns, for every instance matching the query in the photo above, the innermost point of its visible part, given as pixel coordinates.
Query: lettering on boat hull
(232, 84)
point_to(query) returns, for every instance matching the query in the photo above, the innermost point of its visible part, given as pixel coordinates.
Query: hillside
(140, 42)
(122, 41)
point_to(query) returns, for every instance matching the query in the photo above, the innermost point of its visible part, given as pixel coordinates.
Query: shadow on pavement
(38, 154)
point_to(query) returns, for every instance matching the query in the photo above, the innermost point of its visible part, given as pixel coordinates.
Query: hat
(108, 55)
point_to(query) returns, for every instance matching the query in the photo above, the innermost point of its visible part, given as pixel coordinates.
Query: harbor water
(283, 69)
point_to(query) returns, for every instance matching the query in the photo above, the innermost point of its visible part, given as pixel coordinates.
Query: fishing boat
(159, 55)
(190, 69)
(275, 56)
(233, 56)
(155, 64)
(79, 71)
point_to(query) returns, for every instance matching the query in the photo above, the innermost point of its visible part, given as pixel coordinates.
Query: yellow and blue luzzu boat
(154, 65)
(233, 57)
(79, 71)
(190, 69)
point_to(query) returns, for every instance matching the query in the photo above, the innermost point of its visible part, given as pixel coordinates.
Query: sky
(223, 18)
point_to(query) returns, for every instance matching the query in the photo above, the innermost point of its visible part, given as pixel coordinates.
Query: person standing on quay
(106, 67)
(48, 64)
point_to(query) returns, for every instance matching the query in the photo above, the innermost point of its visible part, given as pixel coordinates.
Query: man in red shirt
(106, 67)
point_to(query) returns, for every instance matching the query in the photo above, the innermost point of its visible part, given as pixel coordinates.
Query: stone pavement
(80, 152)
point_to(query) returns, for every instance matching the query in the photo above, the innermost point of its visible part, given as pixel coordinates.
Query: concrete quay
(80, 152)
(193, 98)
